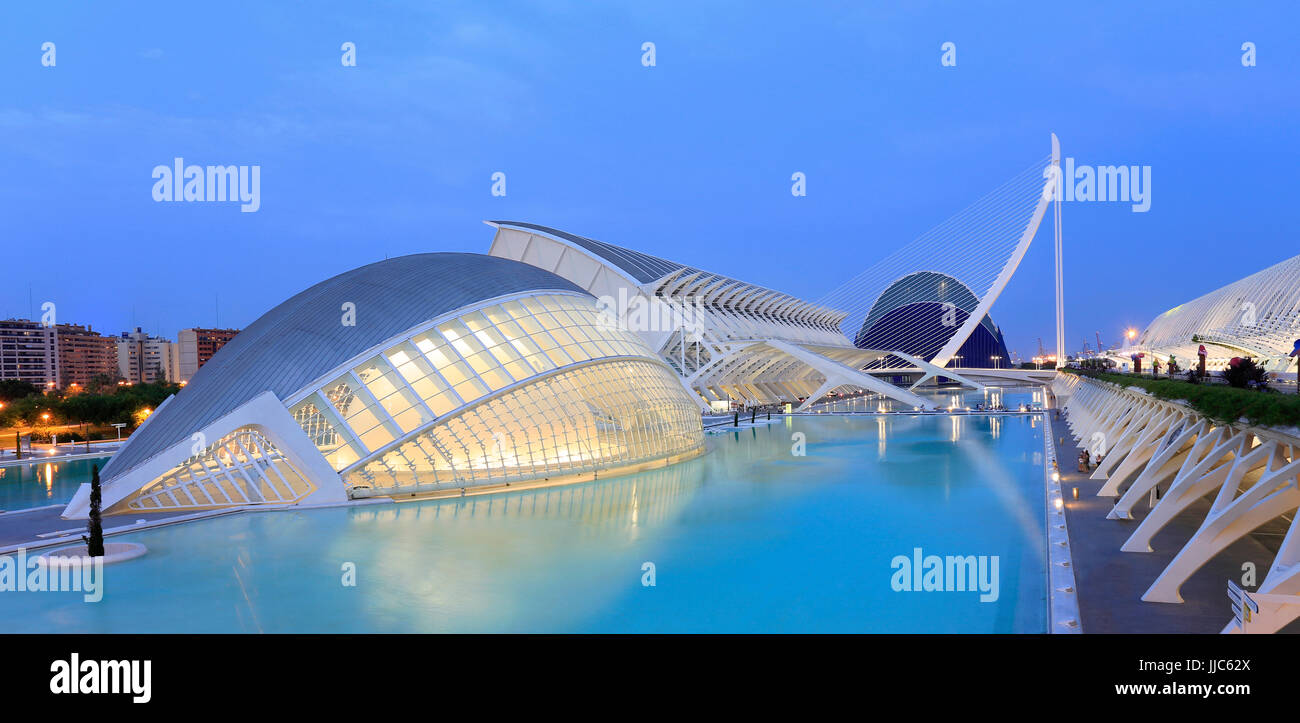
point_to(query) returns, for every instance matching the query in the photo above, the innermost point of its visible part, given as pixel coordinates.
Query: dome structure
(919, 313)
(413, 375)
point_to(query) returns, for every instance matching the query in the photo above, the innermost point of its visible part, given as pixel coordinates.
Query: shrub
(1222, 404)
(1245, 373)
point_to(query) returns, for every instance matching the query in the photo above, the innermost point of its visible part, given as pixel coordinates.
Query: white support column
(931, 371)
(842, 374)
(1146, 441)
(1204, 469)
(1162, 468)
(1233, 515)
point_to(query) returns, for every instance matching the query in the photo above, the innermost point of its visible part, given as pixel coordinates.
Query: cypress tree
(95, 545)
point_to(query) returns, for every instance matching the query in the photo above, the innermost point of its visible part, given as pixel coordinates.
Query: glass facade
(390, 411)
(604, 415)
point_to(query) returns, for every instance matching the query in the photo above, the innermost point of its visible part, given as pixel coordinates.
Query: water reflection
(647, 498)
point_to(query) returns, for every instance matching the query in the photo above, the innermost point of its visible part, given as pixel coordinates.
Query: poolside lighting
(1076, 493)
(1059, 503)
(1056, 476)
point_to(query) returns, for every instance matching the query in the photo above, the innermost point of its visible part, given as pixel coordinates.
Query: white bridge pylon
(979, 249)
(1165, 457)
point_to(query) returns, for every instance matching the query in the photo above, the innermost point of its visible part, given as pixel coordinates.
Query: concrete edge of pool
(1062, 596)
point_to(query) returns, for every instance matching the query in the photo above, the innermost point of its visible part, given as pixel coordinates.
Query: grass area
(1220, 403)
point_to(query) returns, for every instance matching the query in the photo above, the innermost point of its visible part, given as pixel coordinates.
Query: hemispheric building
(921, 312)
(553, 358)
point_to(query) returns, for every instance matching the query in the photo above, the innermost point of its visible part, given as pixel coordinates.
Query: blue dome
(910, 317)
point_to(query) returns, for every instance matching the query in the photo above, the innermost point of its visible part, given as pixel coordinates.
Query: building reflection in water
(645, 498)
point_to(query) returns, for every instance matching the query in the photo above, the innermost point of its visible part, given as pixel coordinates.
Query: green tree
(11, 389)
(95, 526)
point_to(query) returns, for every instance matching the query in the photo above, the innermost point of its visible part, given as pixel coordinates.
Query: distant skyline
(690, 159)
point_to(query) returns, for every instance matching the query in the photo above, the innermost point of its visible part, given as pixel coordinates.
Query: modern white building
(1258, 316)
(416, 375)
(729, 341)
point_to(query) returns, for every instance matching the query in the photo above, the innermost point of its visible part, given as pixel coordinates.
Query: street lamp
(996, 359)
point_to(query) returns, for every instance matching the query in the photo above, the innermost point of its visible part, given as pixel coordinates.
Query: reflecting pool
(790, 527)
(37, 484)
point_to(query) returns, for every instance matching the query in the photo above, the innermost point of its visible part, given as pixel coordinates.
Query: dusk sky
(690, 159)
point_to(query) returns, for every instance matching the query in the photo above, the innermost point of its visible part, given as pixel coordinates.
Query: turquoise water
(748, 537)
(42, 483)
(39, 484)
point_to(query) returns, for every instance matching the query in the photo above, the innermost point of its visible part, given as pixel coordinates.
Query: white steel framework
(1258, 316)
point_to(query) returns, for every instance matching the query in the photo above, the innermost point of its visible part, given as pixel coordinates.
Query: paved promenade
(43, 526)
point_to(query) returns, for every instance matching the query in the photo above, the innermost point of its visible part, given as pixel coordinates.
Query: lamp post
(1295, 354)
(996, 359)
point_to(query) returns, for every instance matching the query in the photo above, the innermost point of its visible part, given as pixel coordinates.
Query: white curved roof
(304, 337)
(1258, 315)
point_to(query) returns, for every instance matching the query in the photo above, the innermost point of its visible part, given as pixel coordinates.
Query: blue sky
(690, 160)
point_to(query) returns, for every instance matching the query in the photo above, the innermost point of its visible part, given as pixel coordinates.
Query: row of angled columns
(1254, 475)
